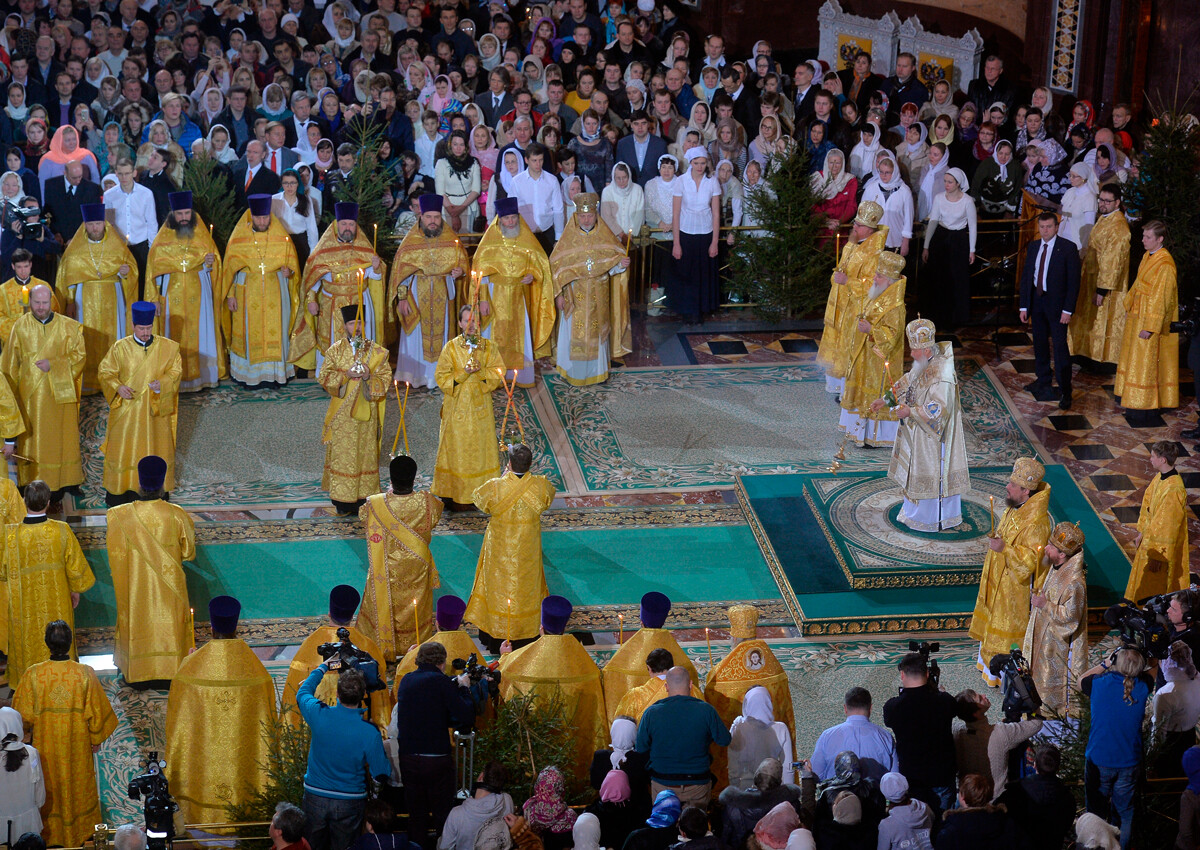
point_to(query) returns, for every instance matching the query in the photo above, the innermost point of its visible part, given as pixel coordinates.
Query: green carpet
(701, 427)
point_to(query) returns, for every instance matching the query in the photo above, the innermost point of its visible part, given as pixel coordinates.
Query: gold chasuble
(1097, 332)
(1056, 639)
(468, 452)
(626, 669)
(12, 509)
(331, 281)
(43, 566)
(186, 292)
(354, 418)
(147, 545)
(219, 701)
(1148, 371)
(1160, 564)
(560, 663)
(64, 705)
(306, 660)
(145, 424)
(458, 645)
(515, 308)
(49, 401)
(846, 301)
(12, 423)
(400, 572)
(14, 303)
(506, 599)
(87, 277)
(268, 306)
(429, 262)
(638, 699)
(867, 376)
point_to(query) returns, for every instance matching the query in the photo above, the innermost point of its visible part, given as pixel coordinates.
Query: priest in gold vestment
(426, 274)
(1056, 643)
(98, 278)
(851, 280)
(401, 575)
(1013, 566)
(68, 713)
(1148, 371)
(218, 703)
(636, 700)
(260, 284)
(1160, 564)
(183, 274)
(139, 377)
(148, 540)
(558, 662)
(14, 293)
(43, 362)
(343, 602)
(12, 509)
(469, 370)
(512, 289)
(1098, 326)
(355, 373)
(510, 583)
(591, 280)
(46, 572)
(448, 615)
(626, 670)
(342, 270)
(876, 351)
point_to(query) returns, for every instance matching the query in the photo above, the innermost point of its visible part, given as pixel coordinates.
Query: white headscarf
(624, 734)
(960, 177)
(828, 187)
(1089, 176)
(506, 179)
(1003, 165)
(924, 135)
(10, 724)
(897, 180)
(586, 832)
(756, 704)
(630, 201)
(931, 186)
(862, 155)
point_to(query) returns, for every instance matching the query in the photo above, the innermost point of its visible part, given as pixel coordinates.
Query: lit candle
(620, 628)
(375, 238)
(192, 626)
(708, 643)
(510, 631)
(416, 621)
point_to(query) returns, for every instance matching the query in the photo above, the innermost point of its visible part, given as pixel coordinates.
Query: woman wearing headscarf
(837, 188)
(502, 186)
(485, 151)
(219, 146)
(534, 72)
(816, 142)
(940, 103)
(776, 826)
(37, 144)
(1043, 99)
(1107, 166)
(693, 287)
(979, 152)
(931, 181)
(731, 200)
(1047, 166)
(862, 155)
(661, 829)
(623, 203)
(64, 148)
(700, 119)
(966, 130)
(1082, 114)
(585, 833)
(999, 182)
(547, 812)
(913, 154)
(728, 146)
(109, 100)
(489, 51)
(15, 114)
(457, 180)
(756, 735)
(99, 145)
(951, 233)
(888, 189)
(158, 135)
(22, 786)
(660, 196)
(274, 106)
(942, 130)
(212, 104)
(618, 809)
(593, 154)
(1079, 206)
(766, 144)
(636, 97)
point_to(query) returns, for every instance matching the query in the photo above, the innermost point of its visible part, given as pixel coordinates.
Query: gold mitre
(891, 265)
(920, 332)
(1027, 473)
(869, 214)
(743, 622)
(1067, 538)
(587, 202)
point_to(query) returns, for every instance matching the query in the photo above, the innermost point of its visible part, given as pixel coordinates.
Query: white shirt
(540, 202)
(134, 218)
(292, 221)
(695, 213)
(897, 211)
(952, 215)
(1041, 265)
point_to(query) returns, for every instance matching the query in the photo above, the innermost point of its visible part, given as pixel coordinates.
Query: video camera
(485, 682)
(924, 648)
(1189, 319)
(33, 223)
(159, 807)
(1144, 628)
(344, 655)
(1020, 693)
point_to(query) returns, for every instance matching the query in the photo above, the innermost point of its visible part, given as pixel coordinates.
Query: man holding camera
(1056, 638)
(29, 231)
(921, 717)
(982, 746)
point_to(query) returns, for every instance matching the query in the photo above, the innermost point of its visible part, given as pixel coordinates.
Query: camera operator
(921, 718)
(29, 231)
(1181, 614)
(983, 746)
(346, 750)
(428, 703)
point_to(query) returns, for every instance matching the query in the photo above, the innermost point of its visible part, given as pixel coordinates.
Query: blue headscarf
(1191, 767)
(665, 811)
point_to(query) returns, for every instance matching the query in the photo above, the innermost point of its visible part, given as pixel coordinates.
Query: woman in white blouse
(660, 205)
(692, 287)
(295, 212)
(952, 228)
(888, 189)
(623, 204)
(1079, 206)
(457, 179)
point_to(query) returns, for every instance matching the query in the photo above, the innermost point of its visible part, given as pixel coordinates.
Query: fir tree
(367, 187)
(530, 732)
(287, 762)
(212, 195)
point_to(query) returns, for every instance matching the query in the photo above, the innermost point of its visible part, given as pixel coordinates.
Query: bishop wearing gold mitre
(557, 662)
(1098, 325)
(1012, 566)
(355, 373)
(876, 353)
(140, 380)
(1148, 370)
(512, 288)
(148, 540)
(448, 615)
(851, 280)
(342, 270)
(469, 369)
(46, 572)
(183, 274)
(218, 703)
(98, 277)
(510, 583)
(1160, 564)
(591, 279)
(401, 575)
(426, 273)
(1056, 642)
(67, 712)
(260, 284)
(749, 663)
(343, 602)
(626, 672)
(43, 362)
(14, 293)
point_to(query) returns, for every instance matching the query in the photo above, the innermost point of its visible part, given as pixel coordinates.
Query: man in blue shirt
(874, 745)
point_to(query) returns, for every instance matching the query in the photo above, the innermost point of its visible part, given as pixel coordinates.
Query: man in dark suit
(64, 194)
(641, 150)
(251, 176)
(496, 100)
(745, 102)
(806, 92)
(157, 179)
(992, 87)
(61, 102)
(1049, 287)
(278, 156)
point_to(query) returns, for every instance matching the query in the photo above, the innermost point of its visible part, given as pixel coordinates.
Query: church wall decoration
(1064, 45)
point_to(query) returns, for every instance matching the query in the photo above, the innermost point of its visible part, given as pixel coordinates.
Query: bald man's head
(74, 171)
(679, 682)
